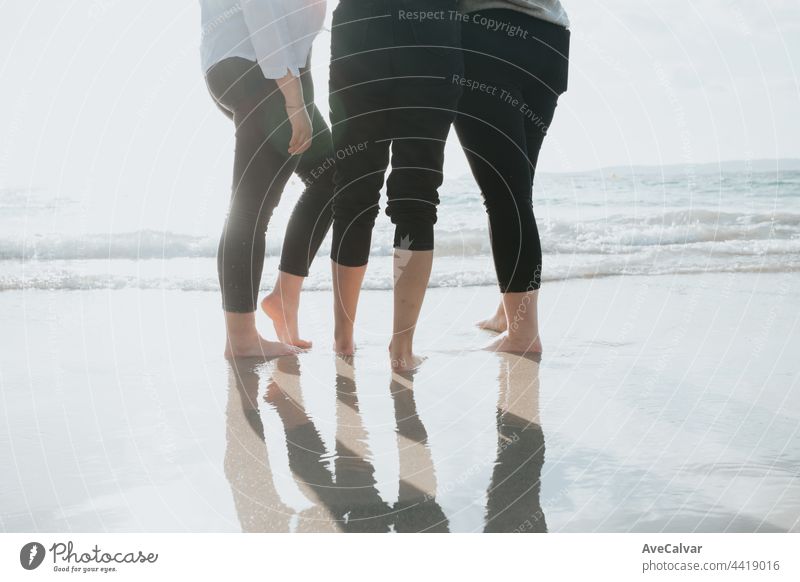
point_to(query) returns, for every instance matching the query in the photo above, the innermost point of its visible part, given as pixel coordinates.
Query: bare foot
(496, 322)
(257, 346)
(404, 360)
(284, 319)
(515, 345)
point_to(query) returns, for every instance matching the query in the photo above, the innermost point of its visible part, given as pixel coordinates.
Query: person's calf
(412, 270)
(346, 292)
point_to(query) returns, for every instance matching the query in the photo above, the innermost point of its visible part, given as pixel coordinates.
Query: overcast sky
(109, 93)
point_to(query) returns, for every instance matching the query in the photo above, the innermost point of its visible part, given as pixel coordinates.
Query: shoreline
(473, 272)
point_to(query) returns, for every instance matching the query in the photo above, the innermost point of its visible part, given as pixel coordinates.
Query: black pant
(511, 86)
(390, 89)
(261, 169)
(513, 500)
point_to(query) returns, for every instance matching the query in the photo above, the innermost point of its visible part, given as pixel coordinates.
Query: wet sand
(660, 404)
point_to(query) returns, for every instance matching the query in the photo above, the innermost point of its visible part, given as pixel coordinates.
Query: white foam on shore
(612, 234)
(590, 226)
(173, 274)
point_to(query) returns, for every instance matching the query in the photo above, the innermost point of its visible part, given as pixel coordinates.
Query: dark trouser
(502, 125)
(261, 168)
(513, 500)
(390, 91)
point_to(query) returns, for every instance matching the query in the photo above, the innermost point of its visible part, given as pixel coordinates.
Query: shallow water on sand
(661, 404)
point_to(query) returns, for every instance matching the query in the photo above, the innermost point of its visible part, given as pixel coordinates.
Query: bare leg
(243, 339)
(523, 324)
(496, 322)
(346, 290)
(412, 270)
(282, 306)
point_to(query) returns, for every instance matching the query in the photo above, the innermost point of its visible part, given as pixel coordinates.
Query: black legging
(511, 86)
(261, 168)
(390, 90)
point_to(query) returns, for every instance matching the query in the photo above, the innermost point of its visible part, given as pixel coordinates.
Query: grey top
(549, 10)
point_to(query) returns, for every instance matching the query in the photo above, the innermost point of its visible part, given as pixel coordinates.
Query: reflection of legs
(363, 156)
(355, 476)
(247, 469)
(513, 503)
(419, 135)
(306, 450)
(308, 225)
(350, 501)
(417, 509)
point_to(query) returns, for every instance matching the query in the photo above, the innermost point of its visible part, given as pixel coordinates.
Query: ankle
(282, 297)
(275, 299)
(343, 335)
(523, 334)
(237, 332)
(402, 345)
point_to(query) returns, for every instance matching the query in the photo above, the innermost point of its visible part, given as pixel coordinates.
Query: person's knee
(357, 200)
(505, 188)
(248, 218)
(506, 202)
(350, 216)
(352, 233)
(319, 188)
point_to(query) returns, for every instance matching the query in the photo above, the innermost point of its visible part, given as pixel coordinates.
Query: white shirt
(275, 33)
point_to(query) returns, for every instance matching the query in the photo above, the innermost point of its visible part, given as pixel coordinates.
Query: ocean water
(611, 222)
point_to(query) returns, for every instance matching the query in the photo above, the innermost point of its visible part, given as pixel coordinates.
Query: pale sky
(108, 94)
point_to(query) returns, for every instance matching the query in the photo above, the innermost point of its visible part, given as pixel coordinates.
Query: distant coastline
(756, 166)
